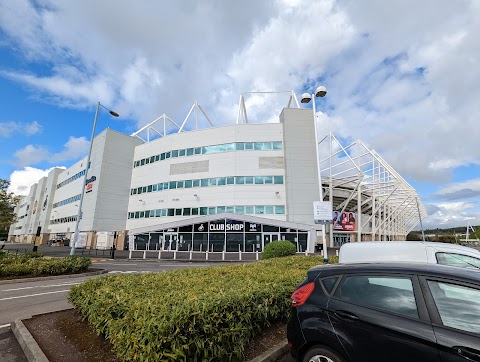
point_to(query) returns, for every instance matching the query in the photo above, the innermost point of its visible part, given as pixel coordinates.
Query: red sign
(344, 222)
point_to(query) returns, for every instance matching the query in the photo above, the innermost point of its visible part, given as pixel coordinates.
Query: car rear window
(391, 294)
(329, 284)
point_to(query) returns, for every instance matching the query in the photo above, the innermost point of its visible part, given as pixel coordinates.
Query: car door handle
(469, 354)
(346, 315)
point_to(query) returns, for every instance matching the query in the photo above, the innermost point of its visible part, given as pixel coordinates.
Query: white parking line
(34, 295)
(5, 325)
(40, 286)
(113, 263)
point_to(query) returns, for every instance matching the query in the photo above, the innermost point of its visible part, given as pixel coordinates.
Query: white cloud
(452, 214)
(22, 180)
(7, 129)
(460, 190)
(73, 149)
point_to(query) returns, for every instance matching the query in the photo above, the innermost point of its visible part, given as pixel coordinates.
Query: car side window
(391, 294)
(329, 283)
(459, 260)
(458, 306)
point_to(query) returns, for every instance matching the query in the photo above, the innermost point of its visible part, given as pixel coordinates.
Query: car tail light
(289, 344)
(301, 295)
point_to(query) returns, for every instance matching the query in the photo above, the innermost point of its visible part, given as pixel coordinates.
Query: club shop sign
(89, 184)
(225, 227)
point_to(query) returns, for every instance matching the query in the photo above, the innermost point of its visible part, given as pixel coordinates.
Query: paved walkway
(10, 350)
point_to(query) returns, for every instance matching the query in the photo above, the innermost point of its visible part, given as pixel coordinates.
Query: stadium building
(227, 189)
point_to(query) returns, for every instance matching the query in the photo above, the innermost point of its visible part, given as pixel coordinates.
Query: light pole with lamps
(87, 167)
(321, 91)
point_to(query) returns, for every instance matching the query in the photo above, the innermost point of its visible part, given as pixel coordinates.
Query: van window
(459, 260)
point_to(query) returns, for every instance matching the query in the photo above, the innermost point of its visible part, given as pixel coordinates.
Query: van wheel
(320, 354)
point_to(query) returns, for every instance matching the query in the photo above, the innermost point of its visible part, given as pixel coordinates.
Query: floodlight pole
(320, 188)
(84, 182)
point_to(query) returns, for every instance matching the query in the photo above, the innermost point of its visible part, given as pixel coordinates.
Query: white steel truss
(359, 180)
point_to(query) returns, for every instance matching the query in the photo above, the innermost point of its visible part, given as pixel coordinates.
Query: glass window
(462, 261)
(149, 188)
(268, 179)
(162, 156)
(154, 187)
(198, 150)
(220, 209)
(164, 212)
(259, 210)
(158, 213)
(152, 159)
(221, 181)
(180, 184)
(458, 306)
(249, 210)
(212, 182)
(188, 184)
(182, 153)
(267, 146)
(203, 211)
(230, 180)
(230, 146)
(269, 210)
(137, 215)
(157, 158)
(171, 212)
(249, 180)
(277, 145)
(205, 150)
(229, 209)
(142, 214)
(278, 180)
(221, 148)
(279, 210)
(195, 211)
(259, 180)
(239, 180)
(240, 146)
(391, 294)
(175, 153)
(249, 145)
(239, 209)
(190, 151)
(134, 191)
(204, 182)
(211, 211)
(329, 283)
(144, 189)
(187, 211)
(147, 161)
(196, 183)
(173, 184)
(167, 155)
(159, 187)
(178, 212)
(258, 146)
(165, 185)
(142, 162)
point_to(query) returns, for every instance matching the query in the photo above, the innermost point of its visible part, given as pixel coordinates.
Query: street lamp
(87, 167)
(306, 98)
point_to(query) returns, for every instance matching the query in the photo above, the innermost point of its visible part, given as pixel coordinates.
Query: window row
(193, 211)
(227, 147)
(67, 201)
(63, 220)
(207, 182)
(70, 179)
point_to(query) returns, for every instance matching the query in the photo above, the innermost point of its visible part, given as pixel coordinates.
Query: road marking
(5, 325)
(34, 295)
(40, 286)
(113, 263)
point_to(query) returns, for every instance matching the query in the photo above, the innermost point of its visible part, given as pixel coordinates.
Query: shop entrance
(169, 242)
(340, 239)
(269, 237)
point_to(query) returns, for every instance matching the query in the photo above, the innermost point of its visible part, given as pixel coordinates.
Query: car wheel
(320, 354)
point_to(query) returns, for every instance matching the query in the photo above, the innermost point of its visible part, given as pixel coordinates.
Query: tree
(8, 201)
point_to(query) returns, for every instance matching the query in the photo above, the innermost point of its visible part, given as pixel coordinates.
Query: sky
(402, 76)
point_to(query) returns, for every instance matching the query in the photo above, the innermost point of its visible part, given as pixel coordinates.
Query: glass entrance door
(169, 242)
(340, 239)
(268, 238)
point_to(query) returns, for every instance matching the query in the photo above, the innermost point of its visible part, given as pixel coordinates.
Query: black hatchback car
(386, 312)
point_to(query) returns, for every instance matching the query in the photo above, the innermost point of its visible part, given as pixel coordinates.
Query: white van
(409, 251)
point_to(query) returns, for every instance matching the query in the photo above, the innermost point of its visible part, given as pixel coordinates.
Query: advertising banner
(345, 221)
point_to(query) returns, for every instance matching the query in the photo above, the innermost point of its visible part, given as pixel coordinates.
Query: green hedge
(34, 264)
(278, 249)
(195, 314)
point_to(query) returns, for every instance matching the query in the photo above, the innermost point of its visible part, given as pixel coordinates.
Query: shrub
(22, 265)
(278, 249)
(195, 314)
